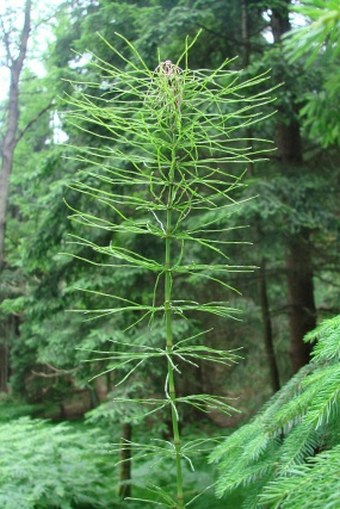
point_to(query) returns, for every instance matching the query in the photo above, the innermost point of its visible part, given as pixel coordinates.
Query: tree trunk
(268, 331)
(124, 489)
(302, 313)
(12, 121)
(266, 319)
(245, 33)
(7, 148)
(280, 23)
(298, 254)
(3, 368)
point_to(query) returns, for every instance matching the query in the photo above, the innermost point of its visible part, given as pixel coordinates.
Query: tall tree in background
(268, 335)
(27, 102)
(302, 311)
(15, 52)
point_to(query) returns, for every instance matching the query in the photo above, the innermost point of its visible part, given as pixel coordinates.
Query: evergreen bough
(289, 456)
(162, 140)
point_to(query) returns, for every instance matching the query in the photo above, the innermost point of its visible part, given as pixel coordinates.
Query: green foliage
(310, 485)
(11, 408)
(161, 178)
(199, 484)
(317, 44)
(40, 284)
(289, 452)
(322, 30)
(44, 466)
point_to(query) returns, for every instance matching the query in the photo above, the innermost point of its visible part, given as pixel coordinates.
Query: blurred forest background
(290, 235)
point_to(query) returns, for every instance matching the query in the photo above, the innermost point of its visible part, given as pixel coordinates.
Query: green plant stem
(169, 346)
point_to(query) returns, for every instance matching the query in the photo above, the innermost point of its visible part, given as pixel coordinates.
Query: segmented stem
(169, 347)
(169, 332)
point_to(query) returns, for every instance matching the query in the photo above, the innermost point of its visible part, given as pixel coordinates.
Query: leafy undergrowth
(11, 408)
(45, 466)
(73, 465)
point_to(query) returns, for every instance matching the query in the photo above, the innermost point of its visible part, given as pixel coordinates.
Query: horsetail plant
(162, 141)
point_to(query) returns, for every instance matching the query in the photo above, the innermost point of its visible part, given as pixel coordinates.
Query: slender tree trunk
(268, 331)
(245, 33)
(302, 314)
(3, 367)
(124, 489)
(280, 23)
(10, 137)
(9, 329)
(298, 253)
(266, 318)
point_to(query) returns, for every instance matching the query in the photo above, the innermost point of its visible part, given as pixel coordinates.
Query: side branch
(5, 38)
(33, 121)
